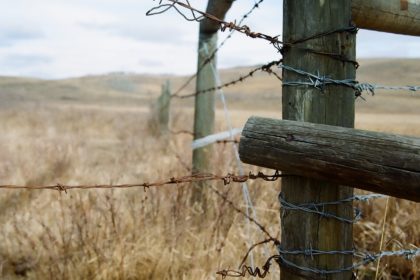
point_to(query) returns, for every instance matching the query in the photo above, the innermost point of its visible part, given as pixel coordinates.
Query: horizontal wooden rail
(378, 162)
(395, 16)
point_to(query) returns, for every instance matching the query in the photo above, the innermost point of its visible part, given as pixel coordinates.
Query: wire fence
(320, 82)
(317, 81)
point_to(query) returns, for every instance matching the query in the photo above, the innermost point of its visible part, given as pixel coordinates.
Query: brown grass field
(94, 130)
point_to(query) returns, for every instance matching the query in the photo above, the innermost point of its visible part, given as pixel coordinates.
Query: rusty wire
(224, 25)
(257, 272)
(192, 77)
(265, 68)
(226, 179)
(244, 29)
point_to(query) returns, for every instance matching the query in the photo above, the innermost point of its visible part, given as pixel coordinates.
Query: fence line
(314, 80)
(318, 208)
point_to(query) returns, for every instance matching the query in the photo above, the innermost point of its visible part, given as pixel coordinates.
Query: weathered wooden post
(374, 161)
(333, 105)
(205, 103)
(396, 16)
(160, 114)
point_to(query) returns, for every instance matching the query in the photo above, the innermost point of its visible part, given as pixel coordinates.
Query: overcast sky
(58, 38)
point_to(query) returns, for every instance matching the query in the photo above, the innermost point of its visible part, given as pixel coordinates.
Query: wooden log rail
(373, 161)
(394, 16)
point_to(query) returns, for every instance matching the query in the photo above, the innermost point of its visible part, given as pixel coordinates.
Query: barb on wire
(265, 68)
(212, 55)
(232, 26)
(226, 179)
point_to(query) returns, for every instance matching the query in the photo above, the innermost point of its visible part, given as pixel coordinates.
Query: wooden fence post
(333, 105)
(160, 111)
(164, 106)
(204, 114)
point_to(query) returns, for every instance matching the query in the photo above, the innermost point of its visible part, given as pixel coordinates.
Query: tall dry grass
(137, 234)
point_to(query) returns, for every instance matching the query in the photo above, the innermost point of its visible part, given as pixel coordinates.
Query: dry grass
(100, 234)
(132, 234)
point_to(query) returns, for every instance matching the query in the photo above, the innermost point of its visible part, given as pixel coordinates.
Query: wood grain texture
(334, 105)
(394, 16)
(378, 162)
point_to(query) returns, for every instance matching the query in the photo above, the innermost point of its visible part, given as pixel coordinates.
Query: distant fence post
(160, 115)
(164, 105)
(204, 114)
(332, 105)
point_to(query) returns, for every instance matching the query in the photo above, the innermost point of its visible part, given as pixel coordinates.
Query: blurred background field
(94, 130)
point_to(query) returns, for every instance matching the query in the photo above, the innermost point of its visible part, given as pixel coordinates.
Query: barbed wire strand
(366, 258)
(265, 68)
(226, 179)
(319, 82)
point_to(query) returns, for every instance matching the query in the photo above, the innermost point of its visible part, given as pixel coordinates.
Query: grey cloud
(11, 35)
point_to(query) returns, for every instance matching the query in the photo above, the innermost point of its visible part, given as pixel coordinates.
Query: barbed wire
(319, 82)
(319, 208)
(192, 77)
(244, 29)
(226, 179)
(265, 68)
(366, 258)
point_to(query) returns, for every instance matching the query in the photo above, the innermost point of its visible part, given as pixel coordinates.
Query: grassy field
(94, 130)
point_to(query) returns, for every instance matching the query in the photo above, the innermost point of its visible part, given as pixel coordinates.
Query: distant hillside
(262, 90)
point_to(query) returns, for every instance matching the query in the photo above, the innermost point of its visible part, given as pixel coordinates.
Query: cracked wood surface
(373, 161)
